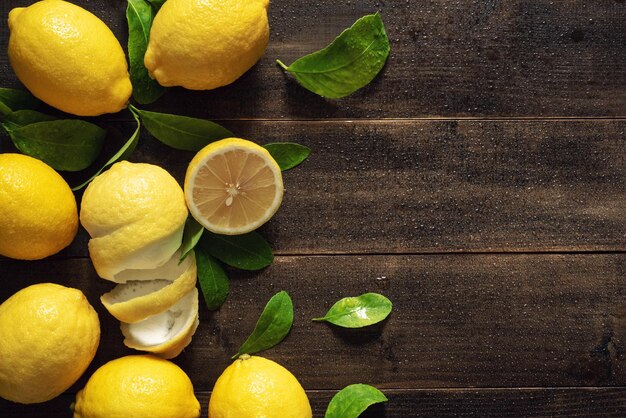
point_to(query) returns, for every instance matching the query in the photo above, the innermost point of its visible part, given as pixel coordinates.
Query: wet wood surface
(479, 183)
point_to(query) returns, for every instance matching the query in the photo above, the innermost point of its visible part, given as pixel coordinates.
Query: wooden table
(479, 183)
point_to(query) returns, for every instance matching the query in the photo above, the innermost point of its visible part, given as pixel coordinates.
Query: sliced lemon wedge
(233, 186)
(150, 292)
(167, 333)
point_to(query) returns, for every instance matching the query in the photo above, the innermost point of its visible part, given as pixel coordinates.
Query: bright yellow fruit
(255, 387)
(138, 387)
(68, 58)
(205, 44)
(38, 215)
(48, 336)
(233, 186)
(135, 214)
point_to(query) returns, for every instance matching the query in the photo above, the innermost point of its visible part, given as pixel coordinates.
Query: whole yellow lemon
(38, 215)
(48, 336)
(255, 387)
(139, 387)
(205, 44)
(68, 58)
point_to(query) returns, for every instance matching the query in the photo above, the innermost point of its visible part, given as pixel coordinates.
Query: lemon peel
(140, 298)
(233, 186)
(167, 333)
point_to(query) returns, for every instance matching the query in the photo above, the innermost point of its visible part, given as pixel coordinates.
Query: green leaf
(191, 235)
(182, 132)
(212, 277)
(353, 400)
(21, 118)
(156, 4)
(139, 15)
(288, 154)
(123, 153)
(246, 252)
(272, 327)
(350, 62)
(17, 99)
(67, 145)
(357, 312)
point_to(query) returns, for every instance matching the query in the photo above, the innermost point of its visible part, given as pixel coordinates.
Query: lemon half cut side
(233, 186)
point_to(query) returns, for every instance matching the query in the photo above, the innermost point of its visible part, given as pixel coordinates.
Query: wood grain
(458, 320)
(484, 403)
(439, 186)
(449, 58)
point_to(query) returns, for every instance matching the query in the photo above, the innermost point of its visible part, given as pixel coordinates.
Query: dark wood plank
(449, 58)
(458, 320)
(496, 403)
(440, 186)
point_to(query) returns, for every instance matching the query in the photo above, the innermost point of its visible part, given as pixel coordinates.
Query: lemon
(255, 387)
(68, 58)
(135, 214)
(139, 387)
(48, 336)
(38, 215)
(233, 186)
(205, 44)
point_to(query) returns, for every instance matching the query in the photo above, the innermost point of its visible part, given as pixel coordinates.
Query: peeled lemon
(68, 58)
(38, 215)
(233, 186)
(135, 214)
(48, 336)
(137, 386)
(205, 44)
(255, 387)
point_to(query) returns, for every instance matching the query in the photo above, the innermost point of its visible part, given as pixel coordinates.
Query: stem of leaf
(283, 66)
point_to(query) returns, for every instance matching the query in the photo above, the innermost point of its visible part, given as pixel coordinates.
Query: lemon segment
(255, 387)
(68, 58)
(233, 186)
(205, 44)
(48, 336)
(168, 333)
(38, 215)
(138, 299)
(137, 386)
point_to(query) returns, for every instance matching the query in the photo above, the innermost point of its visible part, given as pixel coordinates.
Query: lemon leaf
(182, 132)
(350, 62)
(20, 118)
(213, 279)
(272, 327)
(16, 100)
(156, 4)
(65, 145)
(357, 312)
(139, 15)
(353, 400)
(123, 153)
(246, 252)
(287, 154)
(191, 236)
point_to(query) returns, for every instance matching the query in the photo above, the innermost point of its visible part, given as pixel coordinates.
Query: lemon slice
(151, 291)
(233, 186)
(168, 333)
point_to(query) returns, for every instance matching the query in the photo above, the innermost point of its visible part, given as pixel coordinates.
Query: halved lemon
(233, 186)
